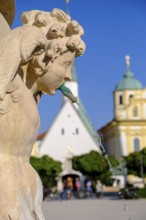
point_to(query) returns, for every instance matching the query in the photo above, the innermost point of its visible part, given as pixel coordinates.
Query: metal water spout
(68, 93)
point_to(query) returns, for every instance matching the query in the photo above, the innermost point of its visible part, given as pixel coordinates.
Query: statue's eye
(38, 50)
(68, 63)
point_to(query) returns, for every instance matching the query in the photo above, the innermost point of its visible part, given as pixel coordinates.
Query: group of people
(94, 189)
(70, 188)
(73, 187)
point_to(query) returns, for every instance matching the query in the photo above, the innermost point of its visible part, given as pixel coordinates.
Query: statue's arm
(15, 49)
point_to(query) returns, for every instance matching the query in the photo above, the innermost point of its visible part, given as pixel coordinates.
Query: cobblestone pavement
(95, 209)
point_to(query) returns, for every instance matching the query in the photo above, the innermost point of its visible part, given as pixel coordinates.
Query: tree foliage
(135, 162)
(94, 166)
(47, 168)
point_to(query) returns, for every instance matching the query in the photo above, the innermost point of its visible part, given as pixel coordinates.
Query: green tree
(136, 163)
(47, 168)
(94, 166)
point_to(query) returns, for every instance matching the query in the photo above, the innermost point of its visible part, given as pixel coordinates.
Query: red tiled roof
(41, 136)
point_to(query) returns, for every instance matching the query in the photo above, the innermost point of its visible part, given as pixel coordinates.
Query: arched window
(136, 144)
(130, 98)
(120, 100)
(135, 111)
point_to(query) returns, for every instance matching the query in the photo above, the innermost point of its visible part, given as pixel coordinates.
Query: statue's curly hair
(49, 34)
(57, 25)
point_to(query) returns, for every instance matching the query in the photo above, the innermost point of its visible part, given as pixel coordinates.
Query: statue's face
(58, 72)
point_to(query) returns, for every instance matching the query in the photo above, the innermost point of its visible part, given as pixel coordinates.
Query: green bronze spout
(67, 92)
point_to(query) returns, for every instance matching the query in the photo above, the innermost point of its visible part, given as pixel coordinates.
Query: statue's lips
(68, 93)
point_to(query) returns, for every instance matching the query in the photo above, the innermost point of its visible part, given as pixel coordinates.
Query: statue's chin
(52, 92)
(49, 92)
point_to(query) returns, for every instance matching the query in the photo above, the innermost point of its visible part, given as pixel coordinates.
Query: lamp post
(142, 170)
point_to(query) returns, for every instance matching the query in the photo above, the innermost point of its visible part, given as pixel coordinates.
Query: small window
(135, 111)
(136, 144)
(62, 131)
(120, 100)
(77, 131)
(130, 97)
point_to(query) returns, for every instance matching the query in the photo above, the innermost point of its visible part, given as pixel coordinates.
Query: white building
(70, 131)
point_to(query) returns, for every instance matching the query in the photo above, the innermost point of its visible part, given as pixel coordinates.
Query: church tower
(127, 91)
(126, 133)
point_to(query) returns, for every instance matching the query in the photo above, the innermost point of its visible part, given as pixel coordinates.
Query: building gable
(68, 132)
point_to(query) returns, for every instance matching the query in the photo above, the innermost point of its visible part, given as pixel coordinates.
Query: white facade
(68, 133)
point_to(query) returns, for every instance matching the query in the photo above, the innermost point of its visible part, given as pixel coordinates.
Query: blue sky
(113, 29)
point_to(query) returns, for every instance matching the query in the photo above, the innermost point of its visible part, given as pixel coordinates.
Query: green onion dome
(129, 82)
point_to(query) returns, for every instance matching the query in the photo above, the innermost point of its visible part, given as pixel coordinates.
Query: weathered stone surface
(4, 27)
(34, 59)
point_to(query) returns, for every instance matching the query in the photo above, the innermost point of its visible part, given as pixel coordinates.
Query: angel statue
(34, 59)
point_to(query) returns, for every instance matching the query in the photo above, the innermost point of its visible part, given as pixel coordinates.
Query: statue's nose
(68, 75)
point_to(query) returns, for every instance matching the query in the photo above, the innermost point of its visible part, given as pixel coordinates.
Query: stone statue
(34, 59)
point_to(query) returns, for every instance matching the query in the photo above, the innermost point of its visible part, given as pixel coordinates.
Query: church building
(71, 131)
(126, 133)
